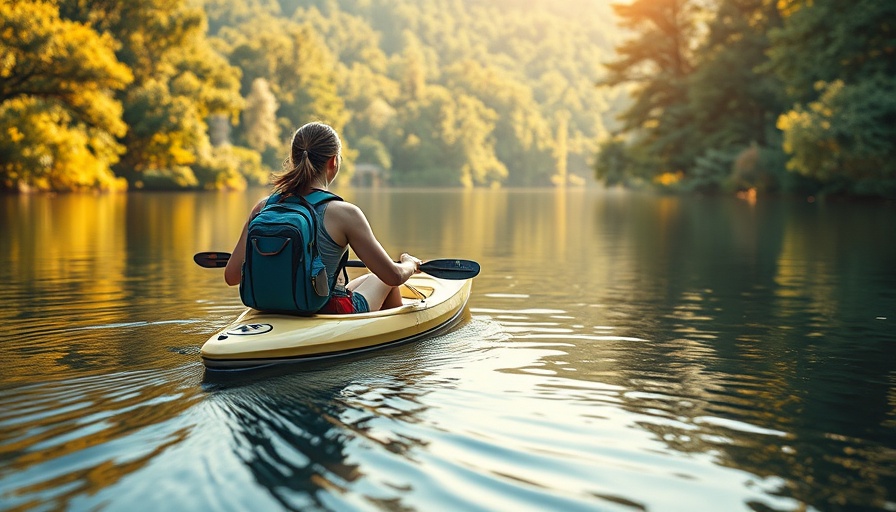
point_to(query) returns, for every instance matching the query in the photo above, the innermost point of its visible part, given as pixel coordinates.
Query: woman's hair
(312, 146)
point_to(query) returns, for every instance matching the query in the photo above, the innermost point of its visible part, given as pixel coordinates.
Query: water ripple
(55, 434)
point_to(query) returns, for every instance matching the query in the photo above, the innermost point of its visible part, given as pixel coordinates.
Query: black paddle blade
(211, 259)
(451, 268)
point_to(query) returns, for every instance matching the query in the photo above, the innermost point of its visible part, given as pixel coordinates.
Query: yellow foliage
(412, 141)
(59, 114)
(788, 8)
(669, 178)
(14, 134)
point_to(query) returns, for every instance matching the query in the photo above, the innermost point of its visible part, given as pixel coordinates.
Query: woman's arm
(233, 270)
(351, 223)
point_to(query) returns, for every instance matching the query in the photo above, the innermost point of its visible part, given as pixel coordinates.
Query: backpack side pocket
(320, 281)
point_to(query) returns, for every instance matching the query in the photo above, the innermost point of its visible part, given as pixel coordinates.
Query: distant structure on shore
(368, 175)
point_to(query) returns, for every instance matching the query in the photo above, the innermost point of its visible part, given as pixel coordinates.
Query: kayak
(255, 338)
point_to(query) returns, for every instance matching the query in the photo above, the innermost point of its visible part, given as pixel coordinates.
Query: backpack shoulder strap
(315, 198)
(272, 199)
(318, 197)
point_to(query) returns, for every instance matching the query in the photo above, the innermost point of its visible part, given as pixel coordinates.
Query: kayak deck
(255, 338)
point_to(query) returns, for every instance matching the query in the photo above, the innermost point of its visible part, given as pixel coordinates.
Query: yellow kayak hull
(256, 338)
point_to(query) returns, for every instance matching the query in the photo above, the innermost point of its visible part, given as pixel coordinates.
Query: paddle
(442, 268)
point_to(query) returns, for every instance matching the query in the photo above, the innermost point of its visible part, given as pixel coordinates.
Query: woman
(315, 156)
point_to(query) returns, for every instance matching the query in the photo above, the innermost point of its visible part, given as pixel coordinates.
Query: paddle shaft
(442, 268)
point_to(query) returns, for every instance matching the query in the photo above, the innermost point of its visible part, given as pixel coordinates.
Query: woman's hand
(407, 258)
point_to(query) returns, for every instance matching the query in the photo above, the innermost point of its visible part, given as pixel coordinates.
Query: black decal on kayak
(250, 329)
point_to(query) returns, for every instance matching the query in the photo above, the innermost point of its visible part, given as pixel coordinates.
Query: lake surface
(623, 352)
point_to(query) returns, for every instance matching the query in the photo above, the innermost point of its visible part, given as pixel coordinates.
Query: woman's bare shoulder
(345, 210)
(347, 219)
(259, 205)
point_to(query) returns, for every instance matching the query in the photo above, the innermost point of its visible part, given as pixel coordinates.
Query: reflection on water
(624, 352)
(66, 439)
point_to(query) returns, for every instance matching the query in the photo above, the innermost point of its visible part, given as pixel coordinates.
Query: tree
(561, 149)
(734, 102)
(315, 88)
(179, 82)
(522, 134)
(58, 116)
(413, 67)
(827, 40)
(472, 137)
(297, 65)
(371, 68)
(658, 60)
(447, 141)
(846, 137)
(260, 117)
(838, 60)
(619, 162)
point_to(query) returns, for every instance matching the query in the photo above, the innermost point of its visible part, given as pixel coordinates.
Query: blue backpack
(283, 271)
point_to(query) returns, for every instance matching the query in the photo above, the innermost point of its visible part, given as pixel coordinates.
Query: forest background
(713, 95)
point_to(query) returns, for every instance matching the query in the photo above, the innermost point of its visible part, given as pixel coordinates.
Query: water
(622, 353)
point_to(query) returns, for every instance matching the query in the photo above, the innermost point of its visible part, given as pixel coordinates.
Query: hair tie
(305, 153)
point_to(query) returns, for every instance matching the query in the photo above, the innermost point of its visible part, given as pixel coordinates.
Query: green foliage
(472, 137)
(166, 132)
(374, 152)
(723, 95)
(613, 163)
(848, 133)
(711, 170)
(451, 142)
(176, 177)
(452, 92)
(733, 104)
(523, 139)
(839, 62)
(180, 82)
(619, 162)
(456, 92)
(658, 60)
(827, 40)
(227, 13)
(95, 88)
(231, 167)
(294, 61)
(722, 91)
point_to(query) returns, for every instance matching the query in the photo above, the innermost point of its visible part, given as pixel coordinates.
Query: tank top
(330, 252)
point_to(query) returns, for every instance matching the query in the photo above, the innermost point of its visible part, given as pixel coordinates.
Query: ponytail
(312, 146)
